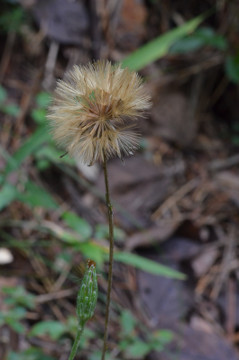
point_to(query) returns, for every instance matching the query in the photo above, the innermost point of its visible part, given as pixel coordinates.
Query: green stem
(76, 343)
(111, 256)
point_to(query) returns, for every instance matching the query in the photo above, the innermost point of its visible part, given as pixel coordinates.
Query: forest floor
(175, 202)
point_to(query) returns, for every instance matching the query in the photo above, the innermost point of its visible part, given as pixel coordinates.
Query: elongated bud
(87, 295)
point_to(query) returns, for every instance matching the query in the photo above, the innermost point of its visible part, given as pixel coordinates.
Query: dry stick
(111, 255)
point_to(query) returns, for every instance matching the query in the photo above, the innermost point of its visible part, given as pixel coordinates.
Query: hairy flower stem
(111, 255)
(76, 343)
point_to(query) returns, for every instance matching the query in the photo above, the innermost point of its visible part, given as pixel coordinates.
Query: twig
(50, 64)
(231, 306)
(55, 295)
(175, 197)
(224, 164)
(95, 29)
(7, 54)
(25, 104)
(228, 257)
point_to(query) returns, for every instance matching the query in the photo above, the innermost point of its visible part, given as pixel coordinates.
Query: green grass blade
(36, 196)
(159, 47)
(78, 224)
(148, 265)
(32, 143)
(8, 193)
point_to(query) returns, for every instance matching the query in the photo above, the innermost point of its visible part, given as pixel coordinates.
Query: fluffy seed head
(94, 110)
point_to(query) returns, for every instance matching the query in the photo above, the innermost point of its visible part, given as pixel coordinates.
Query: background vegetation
(176, 203)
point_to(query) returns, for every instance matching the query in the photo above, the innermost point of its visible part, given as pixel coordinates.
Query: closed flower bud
(93, 111)
(87, 295)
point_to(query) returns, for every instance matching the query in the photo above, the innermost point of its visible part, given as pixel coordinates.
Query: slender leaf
(16, 313)
(201, 37)
(54, 329)
(163, 336)
(51, 153)
(232, 68)
(188, 44)
(128, 323)
(159, 47)
(102, 232)
(147, 265)
(32, 143)
(210, 37)
(138, 349)
(34, 195)
(93, 251)
(8, 193)
(17, 326)
(17, 295)
(43, 99)
(39, 115)
(29, 354)
(3, 94)
(78, 224)
(11, 109)
(12, 20)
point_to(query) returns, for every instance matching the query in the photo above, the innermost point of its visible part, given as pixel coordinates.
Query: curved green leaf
(159, 47)
(148, 265)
